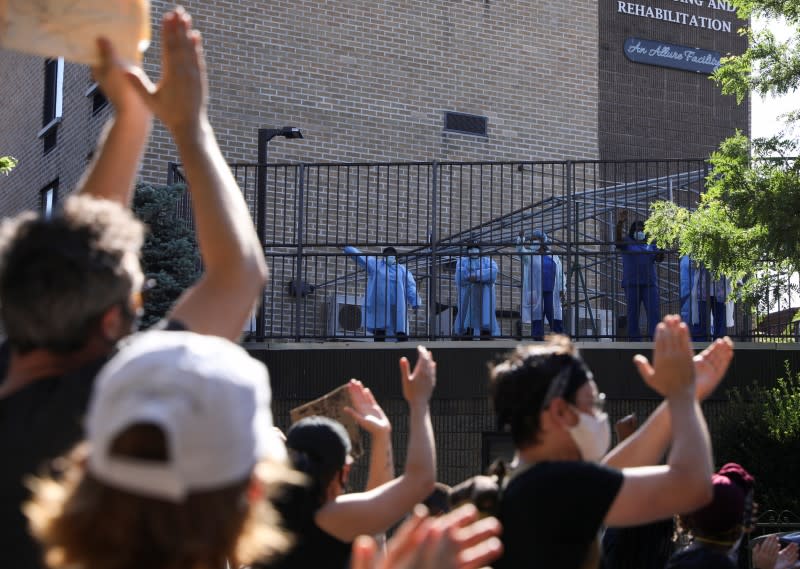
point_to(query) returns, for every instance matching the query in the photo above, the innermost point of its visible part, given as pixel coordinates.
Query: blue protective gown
(389, 288)
(476, 300)
(532, 306)
(640, 283)
(687, 279)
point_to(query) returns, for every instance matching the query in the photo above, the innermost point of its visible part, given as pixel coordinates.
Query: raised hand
(418, 386)
(453, 541)
(111, 75)
(672, 371)
(180, 98)
(710, 366)
(365, 410)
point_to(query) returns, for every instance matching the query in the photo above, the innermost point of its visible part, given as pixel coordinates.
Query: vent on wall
(465, 124)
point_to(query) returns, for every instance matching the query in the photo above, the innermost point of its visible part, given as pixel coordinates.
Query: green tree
(7, 164)
(760, 430)
(747, 224)
(170, 255)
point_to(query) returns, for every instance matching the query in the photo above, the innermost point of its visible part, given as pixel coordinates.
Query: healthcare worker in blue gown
(475, 278)
(710, 296)
(390, 286)
(639, 278)
(542, 285)
(687, 270)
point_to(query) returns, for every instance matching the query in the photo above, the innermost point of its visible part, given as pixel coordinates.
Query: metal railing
(430, 211)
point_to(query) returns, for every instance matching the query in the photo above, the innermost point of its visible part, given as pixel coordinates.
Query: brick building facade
(364, 81)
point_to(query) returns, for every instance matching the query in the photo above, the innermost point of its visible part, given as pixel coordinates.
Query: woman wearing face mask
(716, 529)
(564, 486)
(639, 276)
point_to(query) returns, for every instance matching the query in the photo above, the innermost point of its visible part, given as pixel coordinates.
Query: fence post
(261, 213)
(572, 243)
(171, 173)
(433, 320)
(300, 174)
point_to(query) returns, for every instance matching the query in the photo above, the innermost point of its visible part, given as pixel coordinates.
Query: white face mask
(592, 435)
(639, 235)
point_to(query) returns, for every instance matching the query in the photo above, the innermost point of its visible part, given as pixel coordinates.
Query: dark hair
(390, 251)
(481, 491)
(438, 501)
(519, 384)
(636, 225)
(58, 276)
(318, 447)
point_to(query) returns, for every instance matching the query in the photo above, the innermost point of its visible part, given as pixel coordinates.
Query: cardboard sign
(70, 28)
(332, 405)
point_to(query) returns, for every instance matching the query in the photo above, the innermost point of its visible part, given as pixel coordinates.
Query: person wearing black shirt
(560, 494)
(325, 519)
(70, 285)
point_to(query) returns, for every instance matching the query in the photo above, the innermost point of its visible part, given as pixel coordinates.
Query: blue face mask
(639, 235)
(391, 260)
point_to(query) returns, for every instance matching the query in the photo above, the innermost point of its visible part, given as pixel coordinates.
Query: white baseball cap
(208, 396)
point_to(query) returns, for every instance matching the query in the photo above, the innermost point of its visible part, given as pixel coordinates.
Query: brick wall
(650, 112)
(369, 81)
(22, 93)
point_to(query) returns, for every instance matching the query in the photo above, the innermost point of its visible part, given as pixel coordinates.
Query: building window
(465, 124)
(49, 197)
(99, 100)
(53, 101)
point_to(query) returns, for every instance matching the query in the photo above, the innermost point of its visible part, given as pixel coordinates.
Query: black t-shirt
(313, 547)
(552, 512)
(696, 557)
(38, 423)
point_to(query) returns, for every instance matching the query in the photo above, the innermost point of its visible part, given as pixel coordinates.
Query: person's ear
(346, 473)
(112, 323)
(561, 413)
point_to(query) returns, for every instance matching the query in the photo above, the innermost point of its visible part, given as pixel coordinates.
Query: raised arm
(649, 443)
(112, 171)
(235, 270)
(369, 415)
(375, 511)
(362, 260)
(684, 484)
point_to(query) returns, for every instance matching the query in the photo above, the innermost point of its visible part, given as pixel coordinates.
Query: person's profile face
(588, 399)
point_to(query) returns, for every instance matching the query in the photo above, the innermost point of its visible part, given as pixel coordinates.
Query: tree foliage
(7, 163)
(170, 255)
(761, 431)
(747, 224)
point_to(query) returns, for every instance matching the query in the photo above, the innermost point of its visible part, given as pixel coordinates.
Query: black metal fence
(430, 211)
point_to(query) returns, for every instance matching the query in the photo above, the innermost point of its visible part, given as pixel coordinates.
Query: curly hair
(84, 523)
(519, 384)
(59, 275)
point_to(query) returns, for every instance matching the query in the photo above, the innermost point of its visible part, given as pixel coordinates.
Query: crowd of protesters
(157, 449)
